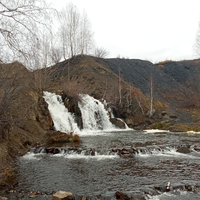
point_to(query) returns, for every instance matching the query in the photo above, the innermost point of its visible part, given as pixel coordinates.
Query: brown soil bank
(24, 115)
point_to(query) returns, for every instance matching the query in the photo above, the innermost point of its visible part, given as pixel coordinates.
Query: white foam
(31, 156)
(168, 152)
(183, 195)
(155, 131)
(97, 156)
(106, 132)
(164, 195)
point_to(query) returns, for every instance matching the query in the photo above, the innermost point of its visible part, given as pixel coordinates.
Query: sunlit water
(107, 173)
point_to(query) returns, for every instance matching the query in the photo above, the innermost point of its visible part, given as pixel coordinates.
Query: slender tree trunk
(151, 96)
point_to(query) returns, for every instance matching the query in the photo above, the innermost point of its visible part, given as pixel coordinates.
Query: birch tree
(85, 42)
(151, 96)
(197, 42)
(19, 22)
(75, 32)
(120, 87)
(69, 24)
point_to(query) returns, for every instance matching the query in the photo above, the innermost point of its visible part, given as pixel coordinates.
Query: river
(104, 173)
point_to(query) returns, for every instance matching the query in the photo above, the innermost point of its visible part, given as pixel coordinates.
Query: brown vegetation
(163, 62)
(76, 138)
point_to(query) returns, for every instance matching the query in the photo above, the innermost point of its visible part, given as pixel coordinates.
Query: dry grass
(161, 66)
(159, 105)
(163, 62)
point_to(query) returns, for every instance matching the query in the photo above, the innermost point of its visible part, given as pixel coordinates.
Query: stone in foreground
(62, 195)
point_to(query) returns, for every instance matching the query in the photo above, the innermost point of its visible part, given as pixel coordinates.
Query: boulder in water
(118, 123)
(121, 195)
(92, 152)
(62, 195)
(184, 150)
(57, 136)
(196, 148)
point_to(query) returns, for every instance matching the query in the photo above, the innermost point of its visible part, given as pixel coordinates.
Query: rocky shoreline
(136, 194)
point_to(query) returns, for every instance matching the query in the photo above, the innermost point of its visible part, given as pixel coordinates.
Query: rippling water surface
(104, 173)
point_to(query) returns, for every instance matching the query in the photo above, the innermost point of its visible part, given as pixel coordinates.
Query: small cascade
(73, 153)
(94, 115)
(63, 120)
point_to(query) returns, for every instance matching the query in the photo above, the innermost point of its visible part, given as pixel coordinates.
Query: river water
(106, 172)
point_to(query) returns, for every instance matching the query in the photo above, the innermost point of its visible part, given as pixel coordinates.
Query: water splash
(94, 115)
(62, 118)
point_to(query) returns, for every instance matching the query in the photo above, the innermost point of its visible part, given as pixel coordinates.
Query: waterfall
(94, 115)
(63, 120)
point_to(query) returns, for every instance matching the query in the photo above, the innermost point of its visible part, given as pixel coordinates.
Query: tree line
(39, 36)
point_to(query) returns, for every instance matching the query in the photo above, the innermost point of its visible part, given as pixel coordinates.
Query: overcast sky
(153, 30)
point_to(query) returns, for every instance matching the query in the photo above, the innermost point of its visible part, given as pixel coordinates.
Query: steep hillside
(187, 73)
(120, 80)
(85, 74)
(141, 73)
(24, 115)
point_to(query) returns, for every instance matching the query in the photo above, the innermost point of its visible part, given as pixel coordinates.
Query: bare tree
(69, 30)
(101, 52)
(151, 96)
(20, 20)
(75, 32)
(120, 87)
(197, 42)
(138, 97)
(56, 55)
(85, 42)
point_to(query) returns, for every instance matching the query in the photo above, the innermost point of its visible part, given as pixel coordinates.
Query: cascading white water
(94, 115)
(63, 120)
